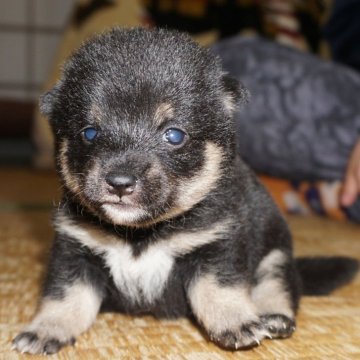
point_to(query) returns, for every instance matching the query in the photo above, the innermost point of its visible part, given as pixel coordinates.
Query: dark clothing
(342, 31)
(303, 117)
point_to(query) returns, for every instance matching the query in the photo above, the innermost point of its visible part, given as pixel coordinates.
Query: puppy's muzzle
(121, 184)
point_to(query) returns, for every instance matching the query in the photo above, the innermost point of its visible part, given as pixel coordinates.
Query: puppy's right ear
(235, 93)
(48, 99)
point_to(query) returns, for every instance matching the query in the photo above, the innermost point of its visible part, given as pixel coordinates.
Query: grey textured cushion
(303, 117)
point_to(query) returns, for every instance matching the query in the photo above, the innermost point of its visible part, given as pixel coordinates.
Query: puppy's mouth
(120, 205)
(121, 213)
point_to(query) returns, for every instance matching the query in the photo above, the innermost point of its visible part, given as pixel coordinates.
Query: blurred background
(30, 34)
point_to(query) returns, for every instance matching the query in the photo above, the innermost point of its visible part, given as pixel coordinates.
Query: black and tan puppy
(159, 215)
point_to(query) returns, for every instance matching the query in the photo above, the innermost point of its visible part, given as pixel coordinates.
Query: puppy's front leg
(69, 306)
(59, 321)
(226, 312)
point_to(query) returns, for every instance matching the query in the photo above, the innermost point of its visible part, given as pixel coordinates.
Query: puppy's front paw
(278, 325)
(33, 343)
(246, 336)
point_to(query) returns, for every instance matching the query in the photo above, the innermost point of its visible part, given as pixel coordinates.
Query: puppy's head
(143, 125)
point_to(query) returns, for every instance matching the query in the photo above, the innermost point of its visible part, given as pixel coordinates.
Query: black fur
(322, 275)
(132, 86)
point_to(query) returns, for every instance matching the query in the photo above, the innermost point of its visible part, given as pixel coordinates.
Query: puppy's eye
(174, 136)
(89, 133)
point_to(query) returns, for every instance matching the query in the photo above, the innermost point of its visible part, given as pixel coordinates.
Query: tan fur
(69, 316)
(192, 191)
(269, 294)
(229, 103)
(144, 276)
(164, 112)
(180, 243)
(220, 308)
(70, 180)
(62, 319)
(95, 113)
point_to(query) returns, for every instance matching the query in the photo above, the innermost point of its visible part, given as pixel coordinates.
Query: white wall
(30, 31)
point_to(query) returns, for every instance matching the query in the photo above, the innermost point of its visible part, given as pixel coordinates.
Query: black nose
(123, 184)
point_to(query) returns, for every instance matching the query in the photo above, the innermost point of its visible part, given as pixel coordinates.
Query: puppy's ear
(234, 93)
(48, 100)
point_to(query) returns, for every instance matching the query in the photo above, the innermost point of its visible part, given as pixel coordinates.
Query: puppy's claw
(30, 342)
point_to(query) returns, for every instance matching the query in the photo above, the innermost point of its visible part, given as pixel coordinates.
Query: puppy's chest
(140, 279)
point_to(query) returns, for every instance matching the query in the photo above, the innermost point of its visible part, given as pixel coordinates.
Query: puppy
(159, 215)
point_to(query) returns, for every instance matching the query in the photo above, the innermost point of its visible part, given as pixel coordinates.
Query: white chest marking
(141, 278)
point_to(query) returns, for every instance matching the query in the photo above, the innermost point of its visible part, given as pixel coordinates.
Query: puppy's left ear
(234, 93)
(48, 100)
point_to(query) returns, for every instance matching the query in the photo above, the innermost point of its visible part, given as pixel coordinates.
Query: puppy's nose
(122, 183)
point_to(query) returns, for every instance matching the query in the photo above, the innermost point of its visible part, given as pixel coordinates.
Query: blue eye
(90, 133)
(174, 136)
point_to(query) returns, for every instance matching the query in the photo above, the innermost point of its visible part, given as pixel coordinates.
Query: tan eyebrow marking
(163, 112)
(95, 113)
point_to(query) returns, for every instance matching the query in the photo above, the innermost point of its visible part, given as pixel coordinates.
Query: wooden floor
(327, 327)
